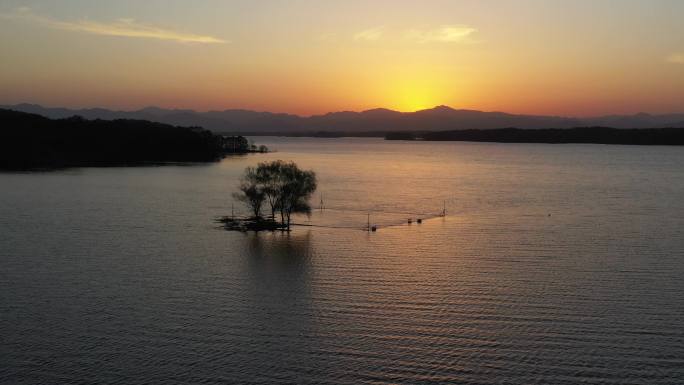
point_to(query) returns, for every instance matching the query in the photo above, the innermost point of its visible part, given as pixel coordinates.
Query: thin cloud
(444, 34)
(120, 27)
(372, 34)
(675, 58)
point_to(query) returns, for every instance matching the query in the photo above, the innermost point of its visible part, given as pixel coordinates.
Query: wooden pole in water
(444, 209)
(232, 211)
(369, 229)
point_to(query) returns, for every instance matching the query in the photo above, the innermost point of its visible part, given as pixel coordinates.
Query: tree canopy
(282, 186)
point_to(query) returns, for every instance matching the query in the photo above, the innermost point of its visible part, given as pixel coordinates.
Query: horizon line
(342, 111)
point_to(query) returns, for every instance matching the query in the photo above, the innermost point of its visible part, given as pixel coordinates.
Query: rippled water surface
(556, 264)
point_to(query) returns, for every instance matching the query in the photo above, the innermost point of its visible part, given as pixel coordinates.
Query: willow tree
(269, 176)
(250, 192)
(295, 192)
(282, 185)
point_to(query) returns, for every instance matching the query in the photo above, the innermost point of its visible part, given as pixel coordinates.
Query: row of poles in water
(419, 220)
(372, 228)
(369, 227)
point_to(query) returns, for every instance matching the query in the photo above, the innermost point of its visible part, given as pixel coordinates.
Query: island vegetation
(597, 135)
(272, 192)
(29, 141)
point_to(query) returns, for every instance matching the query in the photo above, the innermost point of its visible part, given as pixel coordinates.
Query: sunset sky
(575, 58)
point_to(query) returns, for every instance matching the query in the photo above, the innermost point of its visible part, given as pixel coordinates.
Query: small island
(30, 141)
(280, 187)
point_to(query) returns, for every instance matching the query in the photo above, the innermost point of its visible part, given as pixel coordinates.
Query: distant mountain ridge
(439, 118)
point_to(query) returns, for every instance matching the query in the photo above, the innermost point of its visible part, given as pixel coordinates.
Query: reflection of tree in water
(279, 266)
(279, 312)
(282, 250)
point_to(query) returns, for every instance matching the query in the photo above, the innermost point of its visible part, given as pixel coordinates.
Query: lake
(555, 264)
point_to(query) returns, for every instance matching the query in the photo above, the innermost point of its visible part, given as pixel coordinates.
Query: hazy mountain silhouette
(375, 120)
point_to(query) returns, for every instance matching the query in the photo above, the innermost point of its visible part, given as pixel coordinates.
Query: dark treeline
(597, 135)
(32, 141)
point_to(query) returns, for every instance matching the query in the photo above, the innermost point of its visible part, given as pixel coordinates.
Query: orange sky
(565, 58)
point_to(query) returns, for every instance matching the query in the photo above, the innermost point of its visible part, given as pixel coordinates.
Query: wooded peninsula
(29, 141)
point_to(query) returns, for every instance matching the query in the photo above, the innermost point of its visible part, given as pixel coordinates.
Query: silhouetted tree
(282, 185)
(250, 192)
(298, 186)
(268, 176)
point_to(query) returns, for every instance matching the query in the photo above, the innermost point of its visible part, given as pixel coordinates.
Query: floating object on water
(410, 221)
(373, 228)
(419, 220)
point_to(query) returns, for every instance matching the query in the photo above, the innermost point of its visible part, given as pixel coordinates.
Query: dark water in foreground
(119, 276)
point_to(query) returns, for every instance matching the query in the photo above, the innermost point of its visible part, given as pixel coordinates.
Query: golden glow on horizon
(567, 58)
(412, 97)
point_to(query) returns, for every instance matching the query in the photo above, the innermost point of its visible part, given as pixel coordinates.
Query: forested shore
(30, 141)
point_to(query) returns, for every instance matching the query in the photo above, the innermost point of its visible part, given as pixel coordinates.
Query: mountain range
(376, 120)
